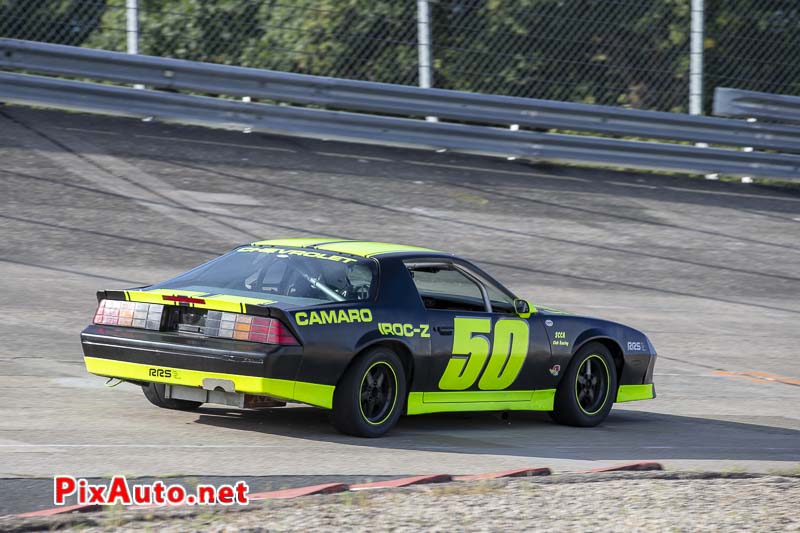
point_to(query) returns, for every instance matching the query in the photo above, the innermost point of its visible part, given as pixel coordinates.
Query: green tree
(753, 44)
(612, 53)
(615, 52)
(55, 21)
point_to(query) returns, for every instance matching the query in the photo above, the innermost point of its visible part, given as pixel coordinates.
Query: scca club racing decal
(560, 338)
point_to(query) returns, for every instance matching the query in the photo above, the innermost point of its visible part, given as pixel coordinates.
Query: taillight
(247, 328)
(129, 314)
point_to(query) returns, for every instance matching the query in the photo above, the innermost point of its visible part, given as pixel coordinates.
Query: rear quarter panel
(330, 345)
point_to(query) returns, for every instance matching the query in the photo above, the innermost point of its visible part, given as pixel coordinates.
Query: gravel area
(663, 501)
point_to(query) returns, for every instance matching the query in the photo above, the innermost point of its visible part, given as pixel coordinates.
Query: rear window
(290, 275)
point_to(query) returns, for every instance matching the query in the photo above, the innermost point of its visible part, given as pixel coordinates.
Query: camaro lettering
(303, 253)
(404, 330)
(332, 316)
(328, 317)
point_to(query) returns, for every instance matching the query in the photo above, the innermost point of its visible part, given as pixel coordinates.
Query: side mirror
(523, 308)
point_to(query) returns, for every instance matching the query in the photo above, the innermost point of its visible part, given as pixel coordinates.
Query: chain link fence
(753, 44)
(613, 52)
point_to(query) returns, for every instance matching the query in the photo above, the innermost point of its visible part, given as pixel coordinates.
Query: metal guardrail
(365, 96)
(318, 123)
(389, 99)
(762, 106)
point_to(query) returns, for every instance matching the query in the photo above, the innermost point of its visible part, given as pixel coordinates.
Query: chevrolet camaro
(368, 330)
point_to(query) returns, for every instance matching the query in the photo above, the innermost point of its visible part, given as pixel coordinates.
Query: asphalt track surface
(710, 270)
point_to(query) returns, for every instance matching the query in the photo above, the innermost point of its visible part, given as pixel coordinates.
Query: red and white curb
(632, 467)
(520, 472)
(332, 488)
(403, 482)
(327, 488)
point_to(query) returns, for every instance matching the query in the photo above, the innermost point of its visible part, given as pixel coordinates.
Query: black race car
(370, 330)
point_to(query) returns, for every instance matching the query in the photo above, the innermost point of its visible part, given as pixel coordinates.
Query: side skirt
(448, 402)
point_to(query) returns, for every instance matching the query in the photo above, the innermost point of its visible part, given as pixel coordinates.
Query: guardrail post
(424, 46)
(696, 58)
(132, 16)
(132, 30)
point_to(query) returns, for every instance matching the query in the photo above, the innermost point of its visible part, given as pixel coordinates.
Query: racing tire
(586, 393)
(154, 392)
(371, 396)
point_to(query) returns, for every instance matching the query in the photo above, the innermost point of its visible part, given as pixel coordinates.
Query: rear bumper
(252, 368)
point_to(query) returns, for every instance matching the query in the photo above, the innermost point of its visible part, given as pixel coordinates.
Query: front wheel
(371, 395)
(585, 395)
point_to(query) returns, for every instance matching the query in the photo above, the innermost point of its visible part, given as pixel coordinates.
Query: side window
(442, 287)
(501, 302)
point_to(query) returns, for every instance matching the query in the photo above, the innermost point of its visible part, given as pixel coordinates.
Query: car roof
(373, 249)
(349, 246)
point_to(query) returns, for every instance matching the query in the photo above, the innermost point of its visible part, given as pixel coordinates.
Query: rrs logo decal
(506, 354)
(162, 373)
(636, 346)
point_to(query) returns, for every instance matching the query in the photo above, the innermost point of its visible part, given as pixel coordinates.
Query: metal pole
(132, 14)
(424, 46)
(424, 42)
(696, 58)
(132, 29)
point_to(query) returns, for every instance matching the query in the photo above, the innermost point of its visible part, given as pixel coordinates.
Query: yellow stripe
(310, 393)
(369, 249)
(302, 242)
(217, 302)
(447, 402)
(344, 246)
(174, 292)
(237, 299)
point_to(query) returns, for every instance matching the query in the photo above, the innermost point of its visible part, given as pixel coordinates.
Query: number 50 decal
(471, 349)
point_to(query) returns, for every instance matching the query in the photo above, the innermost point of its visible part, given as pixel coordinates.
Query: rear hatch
(191, 313)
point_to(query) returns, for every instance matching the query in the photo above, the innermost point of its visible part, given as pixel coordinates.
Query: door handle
(444, 330)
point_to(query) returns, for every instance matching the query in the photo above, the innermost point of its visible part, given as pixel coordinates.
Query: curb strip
(332, 488)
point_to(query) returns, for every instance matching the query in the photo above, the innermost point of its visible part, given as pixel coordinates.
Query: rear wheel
(585, 395)
(371, 395)
(154, 392)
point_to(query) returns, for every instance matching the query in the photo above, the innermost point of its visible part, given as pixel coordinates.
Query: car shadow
(625, 435)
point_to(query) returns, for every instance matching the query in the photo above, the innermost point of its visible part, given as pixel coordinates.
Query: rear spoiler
(199, 300)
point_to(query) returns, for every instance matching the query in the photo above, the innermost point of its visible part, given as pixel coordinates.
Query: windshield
(291, 275)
